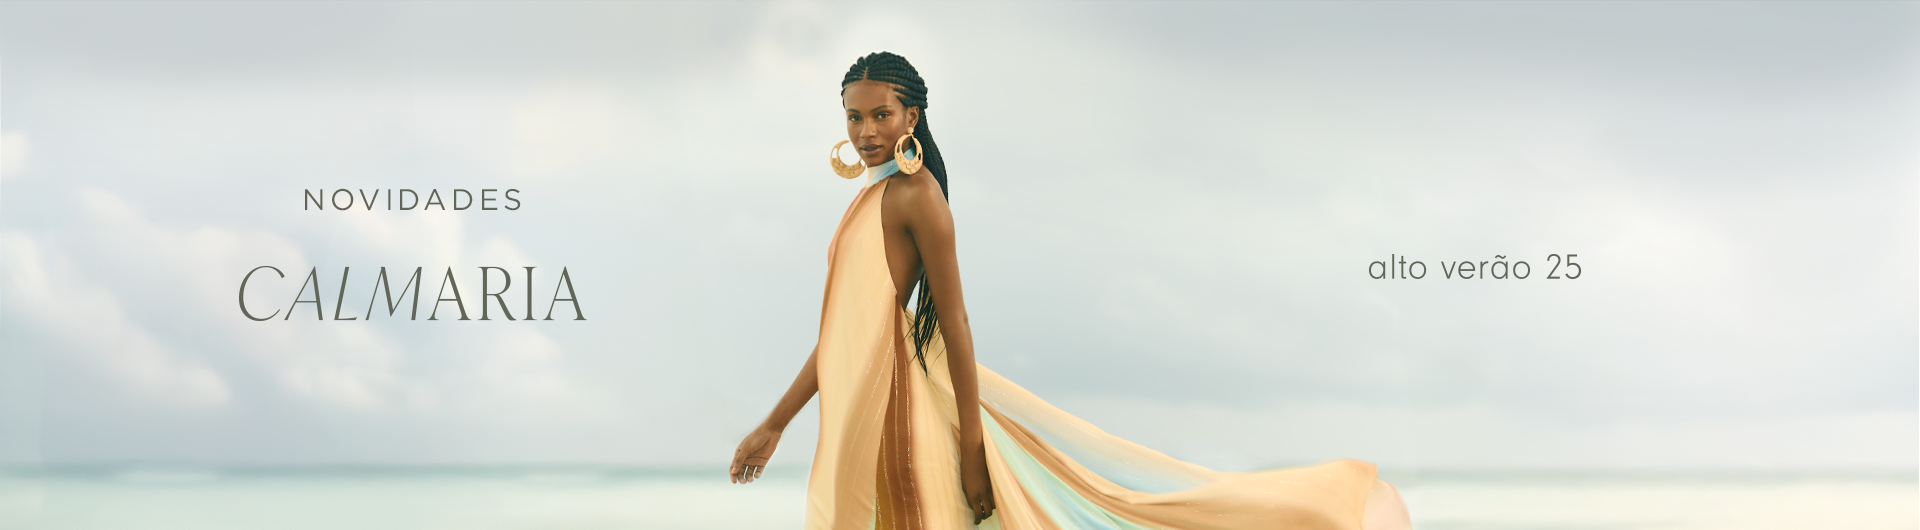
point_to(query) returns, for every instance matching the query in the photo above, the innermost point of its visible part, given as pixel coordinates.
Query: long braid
(893, 69)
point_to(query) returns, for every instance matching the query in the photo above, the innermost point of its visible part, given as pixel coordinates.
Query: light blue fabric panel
(1065, 507)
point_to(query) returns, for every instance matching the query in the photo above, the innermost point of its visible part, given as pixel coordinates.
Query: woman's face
(875, 119)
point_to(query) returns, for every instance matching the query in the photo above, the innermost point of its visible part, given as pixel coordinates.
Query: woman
(896, 451)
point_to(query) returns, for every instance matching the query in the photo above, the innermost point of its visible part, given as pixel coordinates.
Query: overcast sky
(1166, 213)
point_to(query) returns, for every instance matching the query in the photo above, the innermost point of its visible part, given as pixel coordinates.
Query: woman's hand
(750, 459)
(974, 480)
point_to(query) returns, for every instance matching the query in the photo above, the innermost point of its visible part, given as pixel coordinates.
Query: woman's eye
(881, 116)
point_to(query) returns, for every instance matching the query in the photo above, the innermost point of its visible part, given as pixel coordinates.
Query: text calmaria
(382, 284)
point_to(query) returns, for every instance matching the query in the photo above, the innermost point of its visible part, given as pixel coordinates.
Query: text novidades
(408, 199)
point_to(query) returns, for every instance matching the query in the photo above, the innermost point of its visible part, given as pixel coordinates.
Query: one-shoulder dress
(888, 456)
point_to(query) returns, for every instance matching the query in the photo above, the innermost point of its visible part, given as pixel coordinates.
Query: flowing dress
(888, 451)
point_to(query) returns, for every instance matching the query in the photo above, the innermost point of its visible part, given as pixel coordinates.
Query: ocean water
(148, 497)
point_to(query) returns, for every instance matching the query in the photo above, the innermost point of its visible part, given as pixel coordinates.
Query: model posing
(915, 435)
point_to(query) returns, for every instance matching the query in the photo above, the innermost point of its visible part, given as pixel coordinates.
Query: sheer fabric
(888, 450)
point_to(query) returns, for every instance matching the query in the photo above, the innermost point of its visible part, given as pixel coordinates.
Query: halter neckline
(878, 173)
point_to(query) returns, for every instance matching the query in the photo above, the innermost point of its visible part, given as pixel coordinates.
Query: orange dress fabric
(888, 450)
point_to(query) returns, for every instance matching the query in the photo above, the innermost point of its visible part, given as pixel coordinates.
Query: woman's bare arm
(750, 459)
(931, 224)
(805, 385)
(933, 235)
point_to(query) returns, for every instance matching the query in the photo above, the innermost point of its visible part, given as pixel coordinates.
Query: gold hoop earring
(920, 155)
(845, 170)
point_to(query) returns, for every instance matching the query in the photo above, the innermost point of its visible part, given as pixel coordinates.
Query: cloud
(85, 321)
(561, 127)
(332, 364)
(13, 154)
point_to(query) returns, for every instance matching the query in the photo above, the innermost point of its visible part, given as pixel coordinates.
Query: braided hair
(893, 69)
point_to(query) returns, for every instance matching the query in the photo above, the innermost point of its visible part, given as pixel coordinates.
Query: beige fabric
(899, 467)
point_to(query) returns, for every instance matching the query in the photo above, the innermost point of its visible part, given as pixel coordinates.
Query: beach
(161, 497)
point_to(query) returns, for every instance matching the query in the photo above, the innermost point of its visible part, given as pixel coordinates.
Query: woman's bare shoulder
(919, 197)
(916, 189)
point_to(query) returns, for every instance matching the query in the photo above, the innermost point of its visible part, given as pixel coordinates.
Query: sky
(1166, 214)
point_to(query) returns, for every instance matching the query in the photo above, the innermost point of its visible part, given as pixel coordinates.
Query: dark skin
(918, 230)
